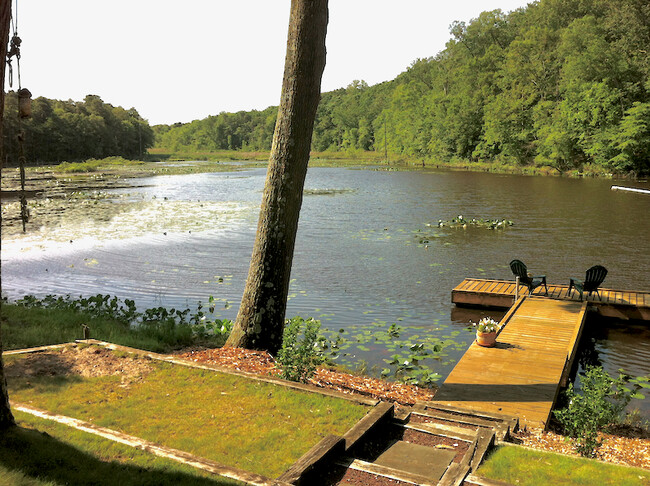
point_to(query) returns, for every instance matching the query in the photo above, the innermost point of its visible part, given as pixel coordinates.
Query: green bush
(299, 354)
(601, 404)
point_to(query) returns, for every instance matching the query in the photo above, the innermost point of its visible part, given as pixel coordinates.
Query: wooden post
(516, 289)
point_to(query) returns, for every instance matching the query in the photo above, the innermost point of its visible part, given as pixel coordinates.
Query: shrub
(299, 354)
(600, 404)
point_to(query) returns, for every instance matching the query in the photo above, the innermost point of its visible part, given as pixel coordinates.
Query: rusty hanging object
(24, 111)
(24, 103)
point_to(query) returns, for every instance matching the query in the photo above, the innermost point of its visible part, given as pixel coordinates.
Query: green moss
(228, 419)
(41, 452)
(525, 467)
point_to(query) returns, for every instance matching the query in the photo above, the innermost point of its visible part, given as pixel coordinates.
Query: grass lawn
(255, 426)
(41, 452)
(525, 467)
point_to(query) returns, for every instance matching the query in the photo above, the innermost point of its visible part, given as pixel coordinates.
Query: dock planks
(621, 304)
(522, 374)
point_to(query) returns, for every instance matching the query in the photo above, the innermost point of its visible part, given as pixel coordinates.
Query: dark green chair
(593, 278)
(520, 270)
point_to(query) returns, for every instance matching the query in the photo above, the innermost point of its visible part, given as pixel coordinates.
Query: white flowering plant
(487, 324)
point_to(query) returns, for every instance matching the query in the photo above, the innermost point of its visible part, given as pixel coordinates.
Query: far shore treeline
(561, 83)
(61, 131)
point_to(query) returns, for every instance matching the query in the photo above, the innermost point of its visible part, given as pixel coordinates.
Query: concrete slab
(417, 459)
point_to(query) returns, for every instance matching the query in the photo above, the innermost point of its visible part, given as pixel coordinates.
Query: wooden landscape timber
(619, 304)
(383, 412)
(327, 450)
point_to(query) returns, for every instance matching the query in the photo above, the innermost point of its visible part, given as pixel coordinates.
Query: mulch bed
(263, 363)
(362, 478)
(628, 448)
(341, 475)
(629, 451)
(378, 442)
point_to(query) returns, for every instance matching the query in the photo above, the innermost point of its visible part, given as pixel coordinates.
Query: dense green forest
(560, 83)
(61, 131)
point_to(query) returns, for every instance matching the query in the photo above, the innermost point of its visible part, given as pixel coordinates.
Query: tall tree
(260, 320)
(6, 418)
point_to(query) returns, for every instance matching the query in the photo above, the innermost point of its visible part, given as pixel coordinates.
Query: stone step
(417, 459)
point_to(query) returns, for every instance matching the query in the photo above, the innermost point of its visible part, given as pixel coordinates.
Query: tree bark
(260, 320)
(6, 418)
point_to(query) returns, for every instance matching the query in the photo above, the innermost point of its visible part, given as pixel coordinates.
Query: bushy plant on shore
(599, 404)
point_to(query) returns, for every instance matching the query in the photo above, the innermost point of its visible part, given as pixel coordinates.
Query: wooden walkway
(621, 304)
(522, 374)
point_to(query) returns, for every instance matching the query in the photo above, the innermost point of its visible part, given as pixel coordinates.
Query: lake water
(368, 252)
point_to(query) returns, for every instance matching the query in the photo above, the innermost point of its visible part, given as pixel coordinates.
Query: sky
(178, 61)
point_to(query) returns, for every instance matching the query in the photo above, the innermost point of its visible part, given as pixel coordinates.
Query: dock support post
(516, 289)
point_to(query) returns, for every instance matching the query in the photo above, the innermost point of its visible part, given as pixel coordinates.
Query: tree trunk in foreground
(6, 418)
(260, 320)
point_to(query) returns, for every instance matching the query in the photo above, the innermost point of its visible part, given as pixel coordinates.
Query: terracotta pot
(486, 339)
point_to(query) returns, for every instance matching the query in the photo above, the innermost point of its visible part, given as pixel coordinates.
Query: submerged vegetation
(461, 222)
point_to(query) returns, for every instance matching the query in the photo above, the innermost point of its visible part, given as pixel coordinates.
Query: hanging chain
(14, 51)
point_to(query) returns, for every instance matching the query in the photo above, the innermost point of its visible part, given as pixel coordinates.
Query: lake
(369, 254)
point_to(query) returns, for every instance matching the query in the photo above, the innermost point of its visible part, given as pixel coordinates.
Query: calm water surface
(359, 263)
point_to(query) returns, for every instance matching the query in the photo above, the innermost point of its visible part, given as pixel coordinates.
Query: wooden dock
(620, 304)
(522, 374)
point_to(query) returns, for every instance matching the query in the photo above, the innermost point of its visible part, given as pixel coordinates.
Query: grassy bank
(229, 419)
(525, 467)
(163, 162)
(354, 158)
(44, 453)
(63, 321)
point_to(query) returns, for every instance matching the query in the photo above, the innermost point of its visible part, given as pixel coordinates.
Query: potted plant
(486, 332)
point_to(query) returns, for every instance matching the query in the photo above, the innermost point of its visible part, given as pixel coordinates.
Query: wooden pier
(520, 376)
(620, 304)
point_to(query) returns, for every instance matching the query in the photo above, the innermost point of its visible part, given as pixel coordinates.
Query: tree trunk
(260, 320)
(6, 418)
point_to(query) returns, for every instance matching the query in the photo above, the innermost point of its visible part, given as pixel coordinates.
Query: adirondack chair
(520, 270)
(593, 278)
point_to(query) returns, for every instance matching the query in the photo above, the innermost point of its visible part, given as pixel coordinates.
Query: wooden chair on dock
(520, 270)
(593, 278)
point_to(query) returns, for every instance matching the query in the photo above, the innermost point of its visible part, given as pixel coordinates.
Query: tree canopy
(70, 131)
(560, 83)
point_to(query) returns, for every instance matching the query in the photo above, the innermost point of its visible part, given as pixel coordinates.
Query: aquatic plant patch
(413, 357)
(460, 223)
(255, 426)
